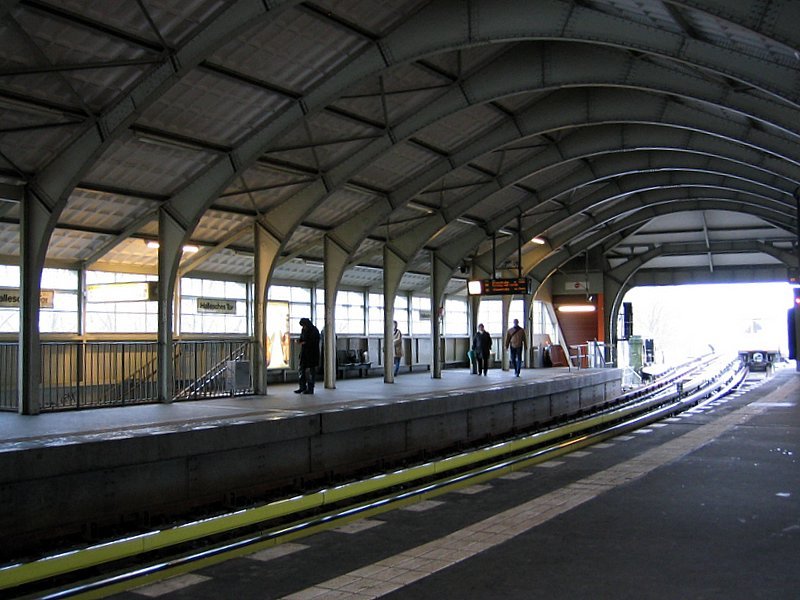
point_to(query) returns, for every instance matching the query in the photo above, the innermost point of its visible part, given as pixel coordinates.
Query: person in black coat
(309, 357)
(482, 347)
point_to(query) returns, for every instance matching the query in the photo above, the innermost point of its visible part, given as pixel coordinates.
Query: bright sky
(684, 320)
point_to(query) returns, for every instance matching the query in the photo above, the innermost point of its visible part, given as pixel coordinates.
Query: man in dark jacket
(309, 357)
(482, 347)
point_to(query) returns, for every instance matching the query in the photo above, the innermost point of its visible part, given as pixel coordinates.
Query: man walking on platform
(517, 343)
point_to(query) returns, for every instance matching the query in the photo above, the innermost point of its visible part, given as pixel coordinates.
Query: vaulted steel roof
(651, 133)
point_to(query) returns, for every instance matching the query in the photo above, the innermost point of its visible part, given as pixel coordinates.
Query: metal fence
(591, 355)
(207, 369)
(8, 375)
(76, 375)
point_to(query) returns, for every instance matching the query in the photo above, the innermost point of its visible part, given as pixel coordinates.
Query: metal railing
(207, 369)
(78, 375)
(8, 375)
(591, 355)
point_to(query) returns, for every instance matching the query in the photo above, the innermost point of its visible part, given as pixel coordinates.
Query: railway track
(113, 566)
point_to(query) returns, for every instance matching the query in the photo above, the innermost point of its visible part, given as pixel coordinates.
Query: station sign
(499, 287)
(218, 306)
(11, 298)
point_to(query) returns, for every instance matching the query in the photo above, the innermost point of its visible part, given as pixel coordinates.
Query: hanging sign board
(10, 298)
(497, 287)
(126, 291)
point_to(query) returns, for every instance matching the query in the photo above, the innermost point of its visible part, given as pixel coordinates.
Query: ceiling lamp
(539, 241)
(188, 248)
(577, 308)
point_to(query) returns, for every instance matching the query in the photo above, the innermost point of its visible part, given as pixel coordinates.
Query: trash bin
(536, 357)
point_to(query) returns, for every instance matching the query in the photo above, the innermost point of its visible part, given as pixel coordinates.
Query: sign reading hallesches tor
(216, 305)
(11, 298)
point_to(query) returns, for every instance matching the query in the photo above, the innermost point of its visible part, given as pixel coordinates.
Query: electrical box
(237, 376)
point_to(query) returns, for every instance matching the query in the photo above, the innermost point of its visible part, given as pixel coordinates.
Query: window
(60, 312)
(63, 316)
(375, 314)
(350, 312)
(516, 311)
(120, 303)
(319, 315)
(213, 306)
(455, 316)
(401, 313)
(490, 313)
(421, 315)
(542, 323)
(299, 300)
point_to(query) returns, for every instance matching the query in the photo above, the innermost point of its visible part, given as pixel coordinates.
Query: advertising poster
(277, 335)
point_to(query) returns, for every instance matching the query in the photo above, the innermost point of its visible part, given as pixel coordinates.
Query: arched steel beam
(584, 107)
(609, 227)
(512, 73)
(776, 20)
(617, 163)
(621, 182)
(630, 200)
(699, 275)
(589, 106)
(474, 89)
(461, 24)
(517, 72)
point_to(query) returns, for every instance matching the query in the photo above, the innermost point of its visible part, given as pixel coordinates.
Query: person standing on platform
(482, 347)
(309, 357)
(517, 343)
(397, 339)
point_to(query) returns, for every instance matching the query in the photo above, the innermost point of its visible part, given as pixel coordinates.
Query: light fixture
(474, 287)
(188, 248)
(539, 241)
(577, 308)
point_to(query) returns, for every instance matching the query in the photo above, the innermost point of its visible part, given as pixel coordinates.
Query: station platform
(19, 432)
(99, 473)
(704, 505)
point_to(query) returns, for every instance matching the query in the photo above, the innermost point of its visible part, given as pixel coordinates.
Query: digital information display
(498, 287)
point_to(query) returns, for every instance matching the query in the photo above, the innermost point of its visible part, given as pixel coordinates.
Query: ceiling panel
(294, 51)
(148, 166)
(211, 107)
